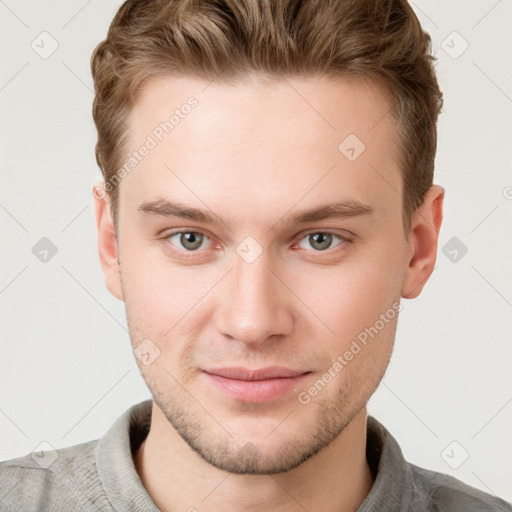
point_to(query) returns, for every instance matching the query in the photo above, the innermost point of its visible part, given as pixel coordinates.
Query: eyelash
(192, 254)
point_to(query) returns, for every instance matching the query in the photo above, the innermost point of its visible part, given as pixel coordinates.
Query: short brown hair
(227, 39)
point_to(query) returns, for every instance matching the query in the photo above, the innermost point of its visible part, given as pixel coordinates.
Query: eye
(189, 240)
(320, 241)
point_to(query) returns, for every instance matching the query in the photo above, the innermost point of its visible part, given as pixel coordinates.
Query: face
(250, 237)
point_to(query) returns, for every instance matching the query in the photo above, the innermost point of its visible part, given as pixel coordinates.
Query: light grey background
(67, 370)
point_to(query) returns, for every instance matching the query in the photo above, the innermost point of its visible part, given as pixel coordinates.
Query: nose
(255, 305)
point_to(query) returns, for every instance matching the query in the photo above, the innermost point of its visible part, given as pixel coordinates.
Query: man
(268, 199)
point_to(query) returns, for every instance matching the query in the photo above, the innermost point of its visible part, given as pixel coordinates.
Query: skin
(255, 154)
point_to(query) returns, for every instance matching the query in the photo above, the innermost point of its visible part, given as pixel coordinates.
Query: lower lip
(255, 390)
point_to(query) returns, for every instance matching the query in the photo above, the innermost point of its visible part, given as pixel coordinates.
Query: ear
(422, 245)
(107, 241)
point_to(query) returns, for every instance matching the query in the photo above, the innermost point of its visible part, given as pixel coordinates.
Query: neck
(336, 478)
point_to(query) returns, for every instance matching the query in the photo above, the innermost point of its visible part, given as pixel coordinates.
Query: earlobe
(107, 241)
(423, 239)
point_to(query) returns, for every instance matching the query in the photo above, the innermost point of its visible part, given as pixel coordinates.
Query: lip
(256, 386)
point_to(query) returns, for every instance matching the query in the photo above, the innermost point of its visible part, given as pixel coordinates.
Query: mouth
(255, 386)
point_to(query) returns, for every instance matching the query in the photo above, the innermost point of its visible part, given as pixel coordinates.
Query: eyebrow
(340, 210)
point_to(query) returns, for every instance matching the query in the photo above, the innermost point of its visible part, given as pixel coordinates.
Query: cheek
(352, 296)
(160, 297)
(357, 295)
(148, 282)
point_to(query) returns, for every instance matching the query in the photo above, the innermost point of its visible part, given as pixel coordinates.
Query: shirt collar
(392, 488)
(115, 464)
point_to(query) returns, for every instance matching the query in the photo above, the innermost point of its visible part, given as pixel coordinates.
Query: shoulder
(63, 479)
(410, 488)
(446, 493)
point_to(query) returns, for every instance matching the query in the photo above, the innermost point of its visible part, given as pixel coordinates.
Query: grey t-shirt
(100, 476)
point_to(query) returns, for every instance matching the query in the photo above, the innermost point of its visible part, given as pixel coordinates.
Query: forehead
(329, 105)
(263, 141)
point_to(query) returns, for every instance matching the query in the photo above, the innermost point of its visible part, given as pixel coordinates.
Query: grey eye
(320, 241)
(189, 240)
